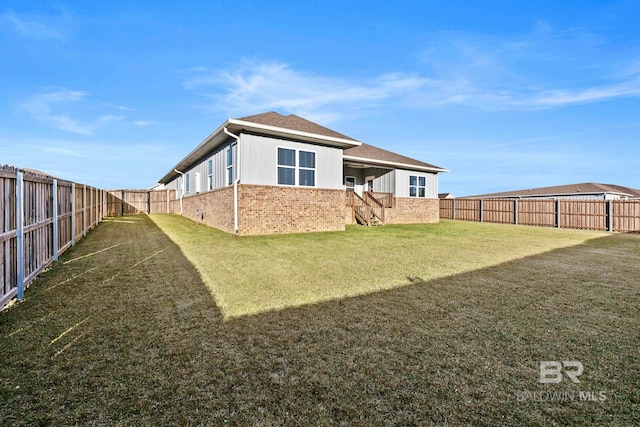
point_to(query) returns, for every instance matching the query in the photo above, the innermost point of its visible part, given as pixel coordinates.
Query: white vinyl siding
(210, 173)
(259, 162)
(403, 181)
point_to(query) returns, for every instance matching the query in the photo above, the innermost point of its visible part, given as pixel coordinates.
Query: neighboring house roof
(365, 153)
(567, 190)
(445, 196)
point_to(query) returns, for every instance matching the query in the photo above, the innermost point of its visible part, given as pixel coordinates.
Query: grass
(250, 275)
(132, 336)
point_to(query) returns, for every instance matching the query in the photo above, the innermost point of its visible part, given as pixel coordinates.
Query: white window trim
(228, 166)
(297, 168)
(354, 182)
(209, 174)
(418, 187)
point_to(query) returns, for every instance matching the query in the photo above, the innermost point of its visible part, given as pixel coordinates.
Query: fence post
(515, 211)
(481, 216)
(453, 209)
(55, 220)
(73, 214)
(91, 207)
(558, 214)
(20, 234)
(609, 215)
(84, 211)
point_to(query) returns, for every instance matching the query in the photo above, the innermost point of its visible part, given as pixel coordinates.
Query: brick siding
(213, 208)
(266, 209)
(413, 211)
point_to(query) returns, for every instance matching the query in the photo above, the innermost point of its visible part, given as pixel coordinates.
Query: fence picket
(37, 224)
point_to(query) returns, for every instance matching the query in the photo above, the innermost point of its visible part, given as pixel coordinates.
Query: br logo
(551, 372)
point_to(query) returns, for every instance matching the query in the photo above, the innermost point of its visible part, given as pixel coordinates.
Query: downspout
(182, 193)
(235, 181)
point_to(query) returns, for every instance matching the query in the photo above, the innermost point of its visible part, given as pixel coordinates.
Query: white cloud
(143, 122)
(276, 86)
(38, 27)
(44, 108)
(41, 108)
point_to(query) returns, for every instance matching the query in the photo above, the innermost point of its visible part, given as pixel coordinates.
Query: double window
(417, 186)
(296, 167)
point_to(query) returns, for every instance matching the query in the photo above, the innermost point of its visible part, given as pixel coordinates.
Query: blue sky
(506, 95)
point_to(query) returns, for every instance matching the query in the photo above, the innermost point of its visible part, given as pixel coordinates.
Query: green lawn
(250, 275)
(124, 329)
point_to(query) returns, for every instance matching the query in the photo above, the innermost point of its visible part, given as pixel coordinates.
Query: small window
(307, 174)
(210, 175)
(307, 177)
(350, 183)
(286, 166)
(307, 159)
(229, 165)
(186, 183)
(417, 186)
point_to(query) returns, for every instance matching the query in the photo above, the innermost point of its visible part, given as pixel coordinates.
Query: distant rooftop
(567, 190)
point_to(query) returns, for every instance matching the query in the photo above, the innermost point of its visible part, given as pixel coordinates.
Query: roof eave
(299, 135)
(394, 165)
(214, 139)
(218, 137)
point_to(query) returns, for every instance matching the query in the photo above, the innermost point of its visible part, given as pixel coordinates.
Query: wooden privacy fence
(606, 215)
(133, 202)
(40, 217)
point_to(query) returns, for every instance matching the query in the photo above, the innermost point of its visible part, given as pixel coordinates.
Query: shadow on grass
(132, 336)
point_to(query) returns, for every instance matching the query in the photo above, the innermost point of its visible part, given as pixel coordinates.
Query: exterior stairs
(367, 210)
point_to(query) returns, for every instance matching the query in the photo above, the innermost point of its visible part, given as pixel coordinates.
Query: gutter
(182, 193)
(235, 181)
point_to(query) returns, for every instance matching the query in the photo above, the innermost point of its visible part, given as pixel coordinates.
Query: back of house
(271, 173)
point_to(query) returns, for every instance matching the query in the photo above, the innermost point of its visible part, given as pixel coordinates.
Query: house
(584, 191)
(271, 173)
(446, 196)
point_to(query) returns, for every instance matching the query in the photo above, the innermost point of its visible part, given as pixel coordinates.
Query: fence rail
(606, 215)
(40, 217)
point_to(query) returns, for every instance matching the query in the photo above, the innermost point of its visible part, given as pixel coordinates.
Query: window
(307, 174)
(417, 186)
(350, 182)
(210, 175)
(186, 183)
(229, 165)
(304, 168)
(286, 166)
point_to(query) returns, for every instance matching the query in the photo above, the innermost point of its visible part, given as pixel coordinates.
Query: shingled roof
(366, 151)
(567, 190)
(293, 122)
